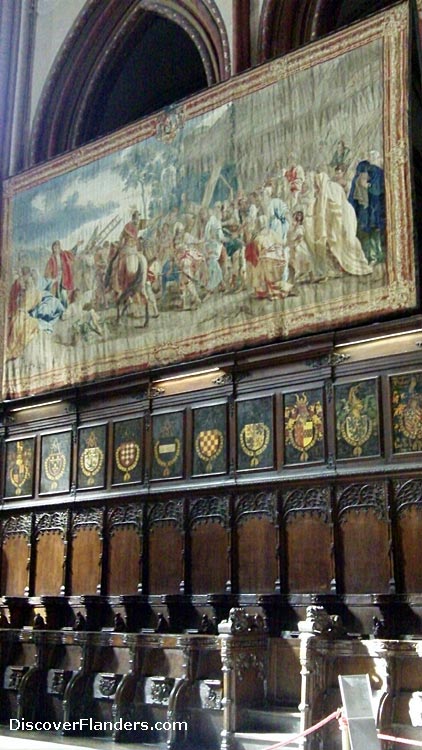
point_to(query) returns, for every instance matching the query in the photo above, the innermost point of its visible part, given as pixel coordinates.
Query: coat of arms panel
(357, 419)
(255, 438)
(304, 426)
(210, 440)
(19, 468)
(55, 470)
(92, 457)
(167, 445)
(127, 451)
(406, 405)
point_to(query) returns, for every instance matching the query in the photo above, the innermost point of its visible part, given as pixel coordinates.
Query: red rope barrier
(334, 715)
(338, 715)
(401, 740)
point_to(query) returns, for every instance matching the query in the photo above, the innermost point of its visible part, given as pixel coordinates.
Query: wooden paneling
(308, 556)
(209, 559)
(50, 530)
(16, 555)
(124, 555)
(292, 526)
(308, 538)
(49, 564)
(86, 552)
(165, 559)
(209, 571)
(408, 502)
(257, 540)
(14, 566)
(364, 534)
(256, 546)
(410, 531)
(124, 537)
(166, 546)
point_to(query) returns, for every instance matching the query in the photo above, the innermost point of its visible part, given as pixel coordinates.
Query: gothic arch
(96, 40)
(287, 24)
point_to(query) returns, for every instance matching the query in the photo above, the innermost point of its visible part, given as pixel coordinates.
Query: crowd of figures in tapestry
(221, 228)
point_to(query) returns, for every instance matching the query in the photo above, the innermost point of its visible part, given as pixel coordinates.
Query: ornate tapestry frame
(216, 309)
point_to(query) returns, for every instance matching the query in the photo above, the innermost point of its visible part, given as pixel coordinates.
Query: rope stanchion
(401, 740)
(314, 728)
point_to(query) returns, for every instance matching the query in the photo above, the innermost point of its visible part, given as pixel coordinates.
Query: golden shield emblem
(303, 434)
(166, 453)
(91, 459)
(127, 458)
(20, 470)
(356, 425)
(254, 439)
(55, 464)
(411, 418)
(208, 445)
(356, 430)
(304, 425)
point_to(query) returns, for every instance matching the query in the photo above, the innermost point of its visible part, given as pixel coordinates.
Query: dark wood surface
(340, 526)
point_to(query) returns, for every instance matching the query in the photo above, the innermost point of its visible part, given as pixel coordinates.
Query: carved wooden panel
(86, 551)
(50, 552)
(256, 542)
(408, 505)
(166, 546)
(364, 534)
(209, 523)
(16, 534)
(124, 529)
(308, 537)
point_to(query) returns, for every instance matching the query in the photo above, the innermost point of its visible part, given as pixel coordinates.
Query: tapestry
(406, 401)
(55, 462)
(303, 426)
(273, 205)
(92, 457)
(210, 440)
(255, 427)
(167, 445)
(19, 469)
(357, 419)
(127, 451)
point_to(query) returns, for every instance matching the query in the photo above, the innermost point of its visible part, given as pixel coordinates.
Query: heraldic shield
(166, 453)
(254, 438)
(303, 425)
(127, 457)
(20, 470)
(208, 445)
(91, 459)
(55, 464)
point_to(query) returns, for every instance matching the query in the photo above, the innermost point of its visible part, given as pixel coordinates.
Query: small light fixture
(378, 338)
(196, 374)
(37, 406)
